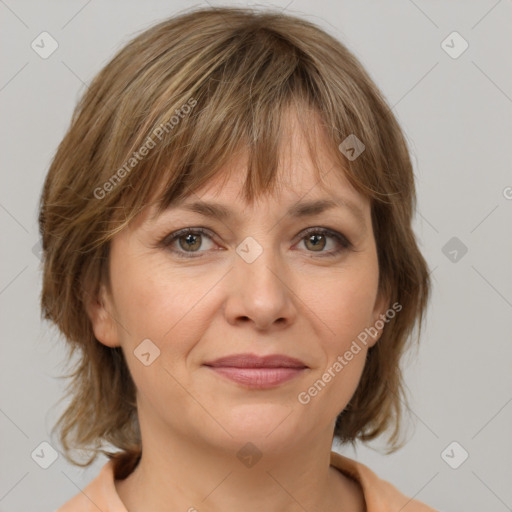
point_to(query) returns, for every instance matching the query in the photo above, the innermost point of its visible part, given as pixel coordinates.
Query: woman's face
(264, 280)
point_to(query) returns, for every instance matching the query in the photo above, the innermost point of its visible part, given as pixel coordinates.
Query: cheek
(344, 302)
(346, 310)
(156, 302)
(348, 307)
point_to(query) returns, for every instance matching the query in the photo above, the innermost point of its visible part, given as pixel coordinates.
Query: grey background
(456, 114)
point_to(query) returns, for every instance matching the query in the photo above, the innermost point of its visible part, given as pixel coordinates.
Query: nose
(259, 293)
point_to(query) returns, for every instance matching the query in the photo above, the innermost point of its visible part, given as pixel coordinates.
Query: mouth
(258, 372)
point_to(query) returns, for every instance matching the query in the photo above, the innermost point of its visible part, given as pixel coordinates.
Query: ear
(100, 311)
(382, 304)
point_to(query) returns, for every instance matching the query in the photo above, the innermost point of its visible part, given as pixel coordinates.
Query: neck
(189, 475)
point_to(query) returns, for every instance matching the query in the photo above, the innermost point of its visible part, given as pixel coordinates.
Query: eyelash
(168, 240)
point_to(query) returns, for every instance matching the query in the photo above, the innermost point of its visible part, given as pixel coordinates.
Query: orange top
(380, 495)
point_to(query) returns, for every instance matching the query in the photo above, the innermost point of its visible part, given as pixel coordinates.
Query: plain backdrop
(456, 111)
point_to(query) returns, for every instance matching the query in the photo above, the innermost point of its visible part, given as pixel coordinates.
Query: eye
(188, 241)
(316, 239)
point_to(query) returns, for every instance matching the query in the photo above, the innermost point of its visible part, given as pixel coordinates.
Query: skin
(290, 300)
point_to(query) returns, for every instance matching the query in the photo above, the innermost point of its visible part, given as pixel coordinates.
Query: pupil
(316, 239)
(190, 241)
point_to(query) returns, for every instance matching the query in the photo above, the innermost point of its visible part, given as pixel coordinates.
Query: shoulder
(99, 494)
(380, 495)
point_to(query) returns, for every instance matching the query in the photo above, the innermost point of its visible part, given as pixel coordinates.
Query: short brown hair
(238, 70)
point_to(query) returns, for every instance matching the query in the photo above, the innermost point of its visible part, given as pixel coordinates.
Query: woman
(228, 245)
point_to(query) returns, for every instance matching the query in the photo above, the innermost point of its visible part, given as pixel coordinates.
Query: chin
(266, 425)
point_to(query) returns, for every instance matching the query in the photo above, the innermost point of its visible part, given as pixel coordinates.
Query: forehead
(311, 196)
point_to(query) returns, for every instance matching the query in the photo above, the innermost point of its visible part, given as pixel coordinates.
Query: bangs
(239, 105)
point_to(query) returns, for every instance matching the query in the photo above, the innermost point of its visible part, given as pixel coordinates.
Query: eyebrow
(298, 210)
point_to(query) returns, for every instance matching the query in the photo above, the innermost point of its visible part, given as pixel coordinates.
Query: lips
(255, 361)
(257, 372)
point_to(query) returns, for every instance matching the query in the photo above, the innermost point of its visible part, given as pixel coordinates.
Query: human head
(196, 91)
